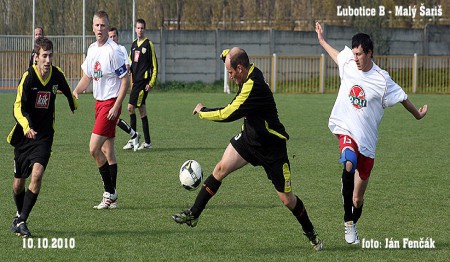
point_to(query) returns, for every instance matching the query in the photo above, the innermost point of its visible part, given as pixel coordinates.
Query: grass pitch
(408, 196)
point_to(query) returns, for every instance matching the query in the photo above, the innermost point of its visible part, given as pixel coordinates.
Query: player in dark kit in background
(134, 136)
(262, 142)
(38, 32)
(32, 135)
(144, 69)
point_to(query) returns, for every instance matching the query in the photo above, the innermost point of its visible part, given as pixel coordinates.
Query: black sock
(18, 199)
(208, 190)
(146, 130)
(113, 172)
(133, 121)
(300, 213)
(106, 177)
(348, 184)
(357, 212)
(127, 128)
(28, 204)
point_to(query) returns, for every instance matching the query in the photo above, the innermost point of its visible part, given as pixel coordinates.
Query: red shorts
(103, 126)
(364, 164)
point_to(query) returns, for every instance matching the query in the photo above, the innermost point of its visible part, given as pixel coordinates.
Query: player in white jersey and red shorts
(365, 92)
(104, 64)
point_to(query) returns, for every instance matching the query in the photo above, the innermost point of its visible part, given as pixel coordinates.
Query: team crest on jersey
(97, 71)
(144, 50)
(55, 89)
(357, 97)
(42, 99)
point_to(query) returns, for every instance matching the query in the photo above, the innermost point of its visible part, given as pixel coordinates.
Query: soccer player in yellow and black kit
(262, 142)
(144, 69)
(32, 135)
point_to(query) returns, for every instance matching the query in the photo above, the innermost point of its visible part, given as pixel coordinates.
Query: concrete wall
(194, 55)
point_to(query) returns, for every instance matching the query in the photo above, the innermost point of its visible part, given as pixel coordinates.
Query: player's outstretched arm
(417, 113)
(330, 50)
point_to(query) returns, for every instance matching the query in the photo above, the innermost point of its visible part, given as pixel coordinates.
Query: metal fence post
(322, 73)
(226, 87)
(274, 72)
(415, 66)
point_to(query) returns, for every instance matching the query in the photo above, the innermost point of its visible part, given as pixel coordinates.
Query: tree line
(64, 17)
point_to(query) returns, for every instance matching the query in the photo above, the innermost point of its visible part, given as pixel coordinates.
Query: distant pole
(84, 29)
(226, 87)
(33, 24)
(134, 19)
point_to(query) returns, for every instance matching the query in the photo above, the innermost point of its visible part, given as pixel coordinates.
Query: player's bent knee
(349, 159)
(288, 199)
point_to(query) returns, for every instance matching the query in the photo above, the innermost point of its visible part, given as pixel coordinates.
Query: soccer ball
(191, 174)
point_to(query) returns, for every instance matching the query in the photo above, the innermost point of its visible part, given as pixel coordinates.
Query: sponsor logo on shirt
(97, 71)
(42, 99)
(137, 53)
(357, 97)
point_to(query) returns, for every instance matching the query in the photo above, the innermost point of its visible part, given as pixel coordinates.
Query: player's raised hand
(319, 31)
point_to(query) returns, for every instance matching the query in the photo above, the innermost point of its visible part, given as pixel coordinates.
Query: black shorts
(29, 153)
(138, 95)
(272, 157)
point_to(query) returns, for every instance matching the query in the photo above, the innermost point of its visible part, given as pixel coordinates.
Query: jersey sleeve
(124, 52)
(20, 111)
(394, 93)
(66, 90)
(154, 67)
(343, 57)
(234, 110)
(118, 62)
(87, 70)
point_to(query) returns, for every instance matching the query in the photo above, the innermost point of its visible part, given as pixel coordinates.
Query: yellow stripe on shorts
(287, 178)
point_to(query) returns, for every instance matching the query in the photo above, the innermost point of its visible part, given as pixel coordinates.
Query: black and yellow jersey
(255, 103)
(34, 107)
(144, 65)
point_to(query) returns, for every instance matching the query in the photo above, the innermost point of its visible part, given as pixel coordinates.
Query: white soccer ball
(191, 174)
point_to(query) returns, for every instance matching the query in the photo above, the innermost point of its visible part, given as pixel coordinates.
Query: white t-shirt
(361, 101)
(125, 54)
(105, 65)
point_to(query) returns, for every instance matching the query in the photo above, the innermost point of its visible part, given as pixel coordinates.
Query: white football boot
(108, 200)
(351, 235)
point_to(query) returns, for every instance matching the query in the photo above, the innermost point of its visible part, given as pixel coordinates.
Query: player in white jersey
(133, 143)
(105, 64)
(364, 93)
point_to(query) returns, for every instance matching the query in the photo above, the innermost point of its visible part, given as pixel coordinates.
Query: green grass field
(408, 196)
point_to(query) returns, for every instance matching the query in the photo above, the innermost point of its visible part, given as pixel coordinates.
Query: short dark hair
(44, 43)
(114, 29)
(102, 14)
(362, 40)
(141, 21)
(40, 27)
(239, 57)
